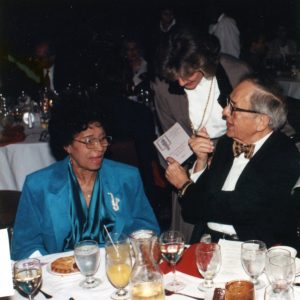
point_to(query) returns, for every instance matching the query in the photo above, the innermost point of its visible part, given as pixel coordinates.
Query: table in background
(290, 86)
(20, 159)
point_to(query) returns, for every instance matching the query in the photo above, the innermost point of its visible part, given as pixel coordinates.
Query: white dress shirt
(51, 75)
(239, 164)
(201, 106)
(228, 34)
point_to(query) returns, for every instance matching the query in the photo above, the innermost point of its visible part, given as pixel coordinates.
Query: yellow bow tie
(239, 148)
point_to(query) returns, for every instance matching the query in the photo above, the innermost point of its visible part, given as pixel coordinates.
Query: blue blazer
(43, 218)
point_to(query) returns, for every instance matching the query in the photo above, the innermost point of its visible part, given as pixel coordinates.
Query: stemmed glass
(253, 257)
(118, 270)
(281, 274)
(87, 257)
(271, 253)
(208, 260)
(28, 276)
(172, 246)
(118, 263)
(117, 244)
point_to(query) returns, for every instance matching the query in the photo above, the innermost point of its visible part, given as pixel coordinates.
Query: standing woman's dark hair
(69, 116)
(187, 51)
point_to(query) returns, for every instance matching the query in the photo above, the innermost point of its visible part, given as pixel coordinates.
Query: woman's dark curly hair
(70, 116)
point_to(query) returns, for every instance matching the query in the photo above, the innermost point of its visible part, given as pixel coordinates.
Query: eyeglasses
(233, 108)
(92, 143)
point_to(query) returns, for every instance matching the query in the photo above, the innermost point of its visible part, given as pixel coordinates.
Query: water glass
(287, 294)
(271, 253)
(281, 272)
(253, 257)
(28, 276)
(208, 260)
(87, 257)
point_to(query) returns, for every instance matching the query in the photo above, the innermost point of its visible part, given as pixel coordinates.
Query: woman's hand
(202, 146)
(175, 173)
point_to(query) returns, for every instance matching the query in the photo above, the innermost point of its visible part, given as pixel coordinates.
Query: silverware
(296, 283)
(169, 293)
(48, 296)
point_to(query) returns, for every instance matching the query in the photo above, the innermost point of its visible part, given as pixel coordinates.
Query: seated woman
(74, 198)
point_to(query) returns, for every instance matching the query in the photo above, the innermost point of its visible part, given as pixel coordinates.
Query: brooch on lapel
(114, 202)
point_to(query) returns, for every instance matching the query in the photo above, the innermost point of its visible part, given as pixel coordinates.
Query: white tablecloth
(291, 87)
(64, 287)
(19, 160)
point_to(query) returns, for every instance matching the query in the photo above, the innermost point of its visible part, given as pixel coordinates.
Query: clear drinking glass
(28, 276)
(281, 272)
(118, 270)
(119, 242)
(208, 260)
(87, 257)
(271, 253)
(172, 246)
(287, 294)
(253, 257)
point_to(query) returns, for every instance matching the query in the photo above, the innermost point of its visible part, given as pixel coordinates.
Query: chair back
(9, 201)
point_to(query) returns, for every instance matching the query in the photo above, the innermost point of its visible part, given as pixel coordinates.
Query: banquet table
(290, 86)
(20, 159)
(64, 287)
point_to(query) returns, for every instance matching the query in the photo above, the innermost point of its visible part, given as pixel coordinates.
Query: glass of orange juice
(118, 270)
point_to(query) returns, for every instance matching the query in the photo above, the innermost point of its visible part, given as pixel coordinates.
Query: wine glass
(87, 257)
(271, 253)
(118, 270)
(281, 272)
(253, 257)
(287, 294)
(172, 246)
(28, 276)
(208, 260)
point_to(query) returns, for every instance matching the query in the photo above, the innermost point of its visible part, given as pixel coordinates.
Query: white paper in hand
(6, 283)
(174, 143)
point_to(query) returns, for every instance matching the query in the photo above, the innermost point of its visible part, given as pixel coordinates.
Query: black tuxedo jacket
(261, 206)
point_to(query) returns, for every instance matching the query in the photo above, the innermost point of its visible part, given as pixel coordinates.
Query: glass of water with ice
(87, 256)
(253, 257)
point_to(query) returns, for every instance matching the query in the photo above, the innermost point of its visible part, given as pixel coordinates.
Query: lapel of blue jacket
(114, 195)
(58, 198)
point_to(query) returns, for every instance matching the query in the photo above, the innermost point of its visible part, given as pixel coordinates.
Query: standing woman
(74, 198)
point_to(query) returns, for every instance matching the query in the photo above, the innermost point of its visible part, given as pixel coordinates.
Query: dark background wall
(76, 22)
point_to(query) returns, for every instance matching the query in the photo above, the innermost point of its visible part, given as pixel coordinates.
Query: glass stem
(121, 292)
(89, 279)
(174, 272)
(30, 297)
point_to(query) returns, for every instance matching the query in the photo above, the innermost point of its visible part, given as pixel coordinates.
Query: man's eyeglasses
(233, 108)
(92, 143)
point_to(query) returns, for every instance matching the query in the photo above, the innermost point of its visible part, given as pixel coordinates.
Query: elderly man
(243, 195)
(197, 83)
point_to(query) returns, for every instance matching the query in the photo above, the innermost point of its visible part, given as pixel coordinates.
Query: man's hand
(202, 146)
(175, 173)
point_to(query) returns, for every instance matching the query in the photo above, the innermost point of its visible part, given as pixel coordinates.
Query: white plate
(48, 269)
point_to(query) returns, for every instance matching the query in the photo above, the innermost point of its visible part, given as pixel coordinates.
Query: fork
(169, 293)
(47, 296)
